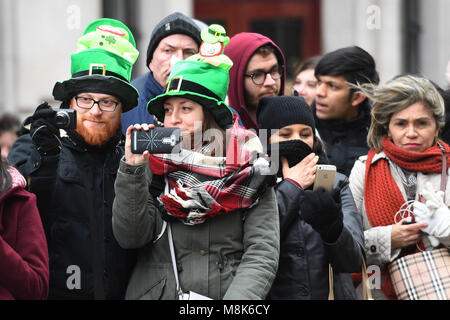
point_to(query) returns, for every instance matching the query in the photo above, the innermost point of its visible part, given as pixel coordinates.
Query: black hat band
(98, 71)
(178, 84)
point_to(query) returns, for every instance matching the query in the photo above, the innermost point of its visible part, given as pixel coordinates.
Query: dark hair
(267, 49)
(210, 123)
(318, 146)
(5, 177)
(9, 122)
(307, 64)
(65, 104)
(353, 63)
(445, 134)
(445, 94)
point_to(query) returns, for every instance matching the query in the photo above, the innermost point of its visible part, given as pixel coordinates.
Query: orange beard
(96, 136)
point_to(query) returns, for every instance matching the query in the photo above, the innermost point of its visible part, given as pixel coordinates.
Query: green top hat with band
(102, 63)
(201, 79)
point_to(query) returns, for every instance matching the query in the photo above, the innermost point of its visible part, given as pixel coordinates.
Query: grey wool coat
(233, 256)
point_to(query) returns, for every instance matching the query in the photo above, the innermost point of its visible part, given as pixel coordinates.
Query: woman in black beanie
(317, 228)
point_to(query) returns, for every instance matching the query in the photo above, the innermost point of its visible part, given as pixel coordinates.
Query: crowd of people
(233, 213)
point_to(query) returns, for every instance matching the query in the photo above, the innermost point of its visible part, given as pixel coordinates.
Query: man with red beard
(72, 170)
(95, 125)
(259, 70)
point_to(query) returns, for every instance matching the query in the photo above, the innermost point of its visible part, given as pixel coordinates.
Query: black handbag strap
(97, 263)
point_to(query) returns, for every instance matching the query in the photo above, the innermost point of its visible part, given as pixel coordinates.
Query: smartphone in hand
(156, 140)
(325, 175)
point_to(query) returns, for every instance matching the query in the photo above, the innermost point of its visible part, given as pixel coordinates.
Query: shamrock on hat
(107, 37)
(102, 63)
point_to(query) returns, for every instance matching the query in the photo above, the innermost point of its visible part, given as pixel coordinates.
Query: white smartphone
(325, 175)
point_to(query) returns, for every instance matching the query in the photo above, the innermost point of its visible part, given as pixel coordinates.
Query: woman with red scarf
(205, 219)
(403, 165)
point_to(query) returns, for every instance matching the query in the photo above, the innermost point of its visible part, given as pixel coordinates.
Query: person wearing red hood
(254, 57)
(24, 271)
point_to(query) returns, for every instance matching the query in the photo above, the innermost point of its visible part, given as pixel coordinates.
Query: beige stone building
(39, 36)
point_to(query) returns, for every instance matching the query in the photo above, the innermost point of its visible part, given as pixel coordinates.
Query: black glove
(44, 134)
(323, 212)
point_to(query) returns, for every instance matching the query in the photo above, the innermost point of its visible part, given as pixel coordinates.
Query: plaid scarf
(201, 187)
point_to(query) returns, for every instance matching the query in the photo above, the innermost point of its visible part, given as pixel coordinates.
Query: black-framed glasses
(107, 105)
(258, 77)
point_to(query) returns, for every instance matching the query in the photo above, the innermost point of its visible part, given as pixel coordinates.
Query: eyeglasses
(258, 77)
(106, 105)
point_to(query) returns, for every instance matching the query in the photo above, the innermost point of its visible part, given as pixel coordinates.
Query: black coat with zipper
(304, 257)
(64, 195)
(345, 140)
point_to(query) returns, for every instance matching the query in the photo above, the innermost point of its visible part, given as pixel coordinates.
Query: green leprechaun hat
(201, 80)
(102, 63)
(215, 33)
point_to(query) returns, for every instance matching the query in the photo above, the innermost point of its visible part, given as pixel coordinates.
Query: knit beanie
(176, 23)
(276, 112)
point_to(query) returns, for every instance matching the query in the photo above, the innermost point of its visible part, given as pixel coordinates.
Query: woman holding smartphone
(317, 228)
(205, 219)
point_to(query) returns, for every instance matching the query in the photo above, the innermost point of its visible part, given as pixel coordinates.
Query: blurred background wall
(402, 35)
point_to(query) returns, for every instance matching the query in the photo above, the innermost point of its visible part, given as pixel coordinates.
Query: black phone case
(156, 140)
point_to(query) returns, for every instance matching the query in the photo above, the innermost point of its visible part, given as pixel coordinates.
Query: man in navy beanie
(176, 37)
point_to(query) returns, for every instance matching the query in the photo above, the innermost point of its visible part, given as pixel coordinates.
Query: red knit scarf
(382, 187)
(382, 196)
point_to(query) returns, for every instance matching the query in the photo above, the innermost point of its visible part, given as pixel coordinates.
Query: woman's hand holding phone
(303, 172)
(132, 158)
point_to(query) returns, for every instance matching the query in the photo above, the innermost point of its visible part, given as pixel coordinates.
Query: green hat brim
(128, 95)
(219, 110)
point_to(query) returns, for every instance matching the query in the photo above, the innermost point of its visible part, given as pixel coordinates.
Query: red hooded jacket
(24, 270)
(240, 49)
